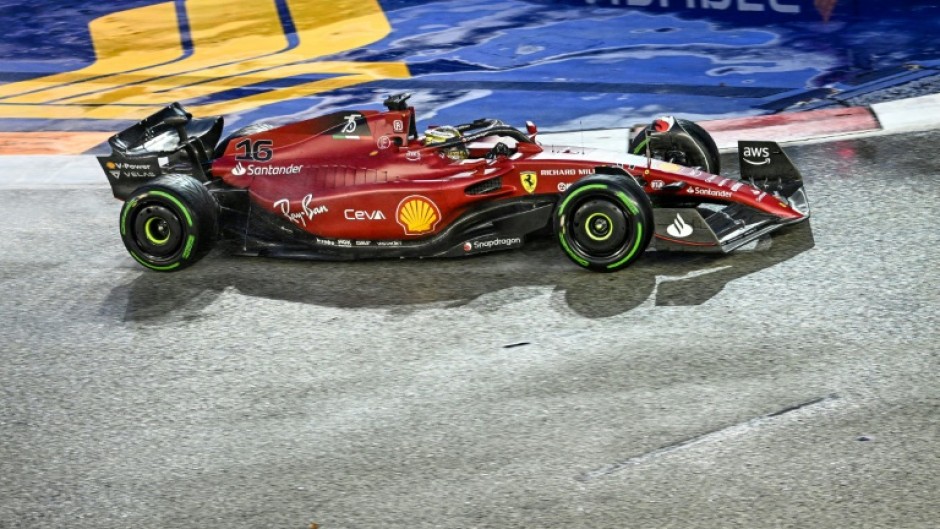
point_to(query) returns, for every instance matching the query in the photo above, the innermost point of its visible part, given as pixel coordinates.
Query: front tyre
(169, 223)
(678, 141)
(604, 222)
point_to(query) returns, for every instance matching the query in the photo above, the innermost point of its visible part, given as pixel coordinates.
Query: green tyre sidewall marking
(636, 246)
(576, 257)
(189, 246)
(176, 201)
(190, 241)
(129, 205)
(561, 211)
(564, 203)
(152, 266)
(631, 205)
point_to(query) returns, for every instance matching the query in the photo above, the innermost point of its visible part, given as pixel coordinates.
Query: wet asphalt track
(791, 386)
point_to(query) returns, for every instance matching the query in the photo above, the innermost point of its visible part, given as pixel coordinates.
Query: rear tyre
(169, 223)
(604, 222)
(685, 143)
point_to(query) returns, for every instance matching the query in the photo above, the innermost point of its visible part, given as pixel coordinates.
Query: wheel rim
(157, 232)
(599, 229)
(599, 226)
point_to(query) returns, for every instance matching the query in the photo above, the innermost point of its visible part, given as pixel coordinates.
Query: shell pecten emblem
(418, 215)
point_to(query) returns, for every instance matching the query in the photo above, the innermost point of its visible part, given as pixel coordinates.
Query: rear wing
(168, 142)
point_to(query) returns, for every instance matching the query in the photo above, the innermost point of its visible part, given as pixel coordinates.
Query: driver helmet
(445, 134)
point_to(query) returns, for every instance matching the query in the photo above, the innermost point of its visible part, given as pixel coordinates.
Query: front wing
(717, 228)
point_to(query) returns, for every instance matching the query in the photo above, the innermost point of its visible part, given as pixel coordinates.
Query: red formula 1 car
(365, 184)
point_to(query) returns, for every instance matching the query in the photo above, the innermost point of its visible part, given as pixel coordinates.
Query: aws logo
(150, 56)
(756, 152)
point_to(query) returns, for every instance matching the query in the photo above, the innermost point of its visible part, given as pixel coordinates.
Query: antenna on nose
(581, 126)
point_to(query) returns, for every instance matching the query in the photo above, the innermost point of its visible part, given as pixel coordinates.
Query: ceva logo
(358, 214)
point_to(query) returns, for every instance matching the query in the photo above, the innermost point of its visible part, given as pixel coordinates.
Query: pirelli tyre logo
(150, 56)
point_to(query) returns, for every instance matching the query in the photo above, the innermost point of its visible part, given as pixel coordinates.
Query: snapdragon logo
(491, 244)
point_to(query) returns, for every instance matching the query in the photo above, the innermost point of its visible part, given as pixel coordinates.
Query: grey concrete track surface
(791, 386)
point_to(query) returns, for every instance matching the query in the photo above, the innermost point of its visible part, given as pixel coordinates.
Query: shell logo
(417, 215)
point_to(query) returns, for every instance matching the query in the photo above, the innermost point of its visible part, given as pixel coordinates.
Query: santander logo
(239, 169)
(679, 228)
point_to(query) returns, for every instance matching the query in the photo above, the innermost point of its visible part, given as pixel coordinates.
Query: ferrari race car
(365, 184)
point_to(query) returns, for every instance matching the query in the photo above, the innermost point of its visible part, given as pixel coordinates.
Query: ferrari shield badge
(529, 180)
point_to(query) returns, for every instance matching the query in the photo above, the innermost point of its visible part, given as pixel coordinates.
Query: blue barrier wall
(565, 64)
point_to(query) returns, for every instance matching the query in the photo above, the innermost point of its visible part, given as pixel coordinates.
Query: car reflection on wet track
(669, 279)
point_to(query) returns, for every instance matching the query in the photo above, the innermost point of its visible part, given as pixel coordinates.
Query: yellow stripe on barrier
(360, 23)
(135, 38)
(366, 72)
(252, 28)
(248, 48)
(223, 31)
(349, 74)
(326, 27)
(76, 112)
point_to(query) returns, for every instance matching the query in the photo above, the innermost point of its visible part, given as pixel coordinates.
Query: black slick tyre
(604, 222)
(706, 141)
(688, 144)
(169, 223)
